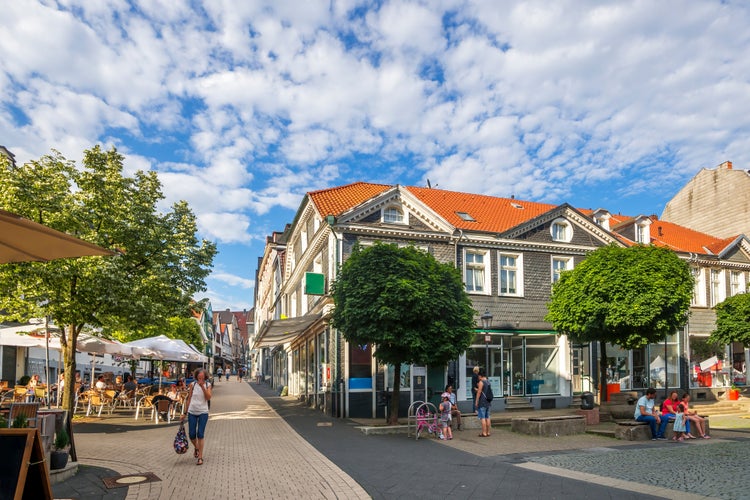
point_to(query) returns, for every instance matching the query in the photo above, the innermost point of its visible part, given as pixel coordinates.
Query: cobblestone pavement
(242, 427)
(709, 468)
(260, 445)
(512, 465)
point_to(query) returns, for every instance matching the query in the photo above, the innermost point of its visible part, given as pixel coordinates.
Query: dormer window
(561, 230)
(393, 215)
(601, 217)
(642, 230)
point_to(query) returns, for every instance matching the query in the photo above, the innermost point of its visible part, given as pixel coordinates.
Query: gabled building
(203, 315)
(509, 251)
(226, 334)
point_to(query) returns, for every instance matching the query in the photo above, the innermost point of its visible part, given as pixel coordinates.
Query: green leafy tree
(626, 296)
(162, 263)
(413, 308)
(733, 321)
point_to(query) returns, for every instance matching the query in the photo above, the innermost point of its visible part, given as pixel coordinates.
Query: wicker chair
(100, 401)
(143, 404)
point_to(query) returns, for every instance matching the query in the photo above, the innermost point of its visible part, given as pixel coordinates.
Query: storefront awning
(281, 331)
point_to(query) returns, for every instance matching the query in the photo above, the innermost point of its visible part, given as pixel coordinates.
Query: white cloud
(233, 280)
(244, 106)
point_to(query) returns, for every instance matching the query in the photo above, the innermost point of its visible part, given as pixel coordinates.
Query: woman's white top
(198, 403)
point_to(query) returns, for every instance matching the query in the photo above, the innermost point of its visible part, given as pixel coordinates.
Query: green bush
(62, 439)
(20, 422)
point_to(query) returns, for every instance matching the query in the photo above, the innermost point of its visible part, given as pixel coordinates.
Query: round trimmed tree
(411, 307)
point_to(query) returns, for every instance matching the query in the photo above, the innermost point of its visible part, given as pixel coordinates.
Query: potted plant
(734, 393)
(59, 456)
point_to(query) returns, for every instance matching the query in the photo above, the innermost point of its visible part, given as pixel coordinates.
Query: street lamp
(486, 318)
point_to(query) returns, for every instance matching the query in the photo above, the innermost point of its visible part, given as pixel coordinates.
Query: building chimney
(727, 165)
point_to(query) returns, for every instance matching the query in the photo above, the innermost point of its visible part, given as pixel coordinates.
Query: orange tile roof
(335, 201)
(682, 239)
(491, 214)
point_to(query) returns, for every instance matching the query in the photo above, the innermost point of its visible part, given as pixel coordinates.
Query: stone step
(518, 404)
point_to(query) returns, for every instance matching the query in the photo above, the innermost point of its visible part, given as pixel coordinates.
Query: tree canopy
(413, 308)
(162, 262)
(630, 296)
(733, 320)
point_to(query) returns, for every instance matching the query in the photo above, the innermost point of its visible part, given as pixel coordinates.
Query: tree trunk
(68, 342)
(603, 380)
(393, 417)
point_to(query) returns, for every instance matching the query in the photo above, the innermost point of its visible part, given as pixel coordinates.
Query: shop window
(360, 366)
(618, 367)
(542, 359)
(405, 376)
(707, 363)
(664, 365)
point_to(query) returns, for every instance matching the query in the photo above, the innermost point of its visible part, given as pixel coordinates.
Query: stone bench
(564, 425)
(630, 430)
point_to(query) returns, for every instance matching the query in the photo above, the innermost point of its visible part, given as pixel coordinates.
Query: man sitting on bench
(645, 412)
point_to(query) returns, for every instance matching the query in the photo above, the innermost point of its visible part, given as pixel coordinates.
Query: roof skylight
(466, 216)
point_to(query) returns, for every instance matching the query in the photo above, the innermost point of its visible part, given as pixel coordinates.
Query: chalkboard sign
(23, 470)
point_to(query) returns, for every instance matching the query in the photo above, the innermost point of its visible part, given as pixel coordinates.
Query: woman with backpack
(483, 403)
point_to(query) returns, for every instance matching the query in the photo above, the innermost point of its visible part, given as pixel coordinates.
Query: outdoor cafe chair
(29, 410)
(126, 399)
(40, 393)
(100, 401)
(20, 393)
(143, 404)
(81, 401)
(162, 406)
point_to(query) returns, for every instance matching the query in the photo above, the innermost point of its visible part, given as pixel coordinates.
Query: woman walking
(197, 412)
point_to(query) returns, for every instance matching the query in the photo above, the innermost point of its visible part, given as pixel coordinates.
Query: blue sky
(243, 106)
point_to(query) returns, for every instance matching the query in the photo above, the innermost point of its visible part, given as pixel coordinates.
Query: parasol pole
(46, 359)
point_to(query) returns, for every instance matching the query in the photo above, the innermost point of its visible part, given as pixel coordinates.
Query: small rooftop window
(466, 216)
(516, 205)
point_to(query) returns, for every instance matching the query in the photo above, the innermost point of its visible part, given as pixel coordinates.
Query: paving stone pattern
(712, 468)
(241, 428)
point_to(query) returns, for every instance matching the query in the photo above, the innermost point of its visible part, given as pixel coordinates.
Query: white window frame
(563, 225)
(642, 235)
(717, 286)
(699, 289)
(485, 269)
(517, 269)
(736, 283)
(567, 266)
(392, 209)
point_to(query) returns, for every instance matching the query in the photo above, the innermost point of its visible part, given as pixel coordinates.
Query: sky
(244, 106)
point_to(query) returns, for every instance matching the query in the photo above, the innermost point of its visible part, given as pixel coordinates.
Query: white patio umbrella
(27, 336)
(163, 348)
(99, 345)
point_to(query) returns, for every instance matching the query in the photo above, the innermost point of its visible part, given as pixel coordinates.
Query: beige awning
(281, 331)
(23, 240)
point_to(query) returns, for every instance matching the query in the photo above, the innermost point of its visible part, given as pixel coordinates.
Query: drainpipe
(339, 380)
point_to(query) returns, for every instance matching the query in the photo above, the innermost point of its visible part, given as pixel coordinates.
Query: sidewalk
(250, 453)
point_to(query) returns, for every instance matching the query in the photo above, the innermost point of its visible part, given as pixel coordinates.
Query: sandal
(199, 462)
(195, 453)
(706, 436)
